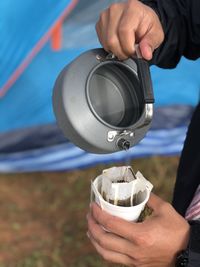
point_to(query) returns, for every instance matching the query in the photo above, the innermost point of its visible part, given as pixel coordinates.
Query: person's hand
(152, 243)
(122, 25)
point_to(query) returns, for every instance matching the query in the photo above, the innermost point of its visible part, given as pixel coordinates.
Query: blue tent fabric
(29, 137)
(50, 151)
(22, 25)
(29, 99)
(66, 156)
(165, 118)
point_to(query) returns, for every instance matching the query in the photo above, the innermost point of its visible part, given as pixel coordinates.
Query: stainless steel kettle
(104, 105)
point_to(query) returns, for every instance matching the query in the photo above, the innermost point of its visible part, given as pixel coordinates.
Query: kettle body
(102, 104)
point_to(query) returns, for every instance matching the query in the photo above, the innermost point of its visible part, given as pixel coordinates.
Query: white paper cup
(131, 213)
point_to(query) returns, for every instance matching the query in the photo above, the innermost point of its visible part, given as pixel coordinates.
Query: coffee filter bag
(118, 185)
(121, 192)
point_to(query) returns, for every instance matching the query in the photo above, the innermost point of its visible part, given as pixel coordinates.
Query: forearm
(181, 24)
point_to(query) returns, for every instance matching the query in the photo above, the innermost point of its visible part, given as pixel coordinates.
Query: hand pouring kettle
(104, 105)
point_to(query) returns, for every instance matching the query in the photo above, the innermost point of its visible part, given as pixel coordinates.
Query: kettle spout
(123, 144)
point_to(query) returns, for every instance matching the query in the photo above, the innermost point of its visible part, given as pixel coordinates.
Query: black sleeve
(194, 245)
(181, 24)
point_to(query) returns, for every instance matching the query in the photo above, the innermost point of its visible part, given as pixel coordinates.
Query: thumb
(154, 202)
(147, 48)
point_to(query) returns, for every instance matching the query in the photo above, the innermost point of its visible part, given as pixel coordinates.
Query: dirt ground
(42, 215)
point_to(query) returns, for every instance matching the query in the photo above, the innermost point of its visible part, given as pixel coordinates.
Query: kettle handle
(145, 79)
(144, 75)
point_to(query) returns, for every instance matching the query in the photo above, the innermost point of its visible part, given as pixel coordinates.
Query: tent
(37, 41)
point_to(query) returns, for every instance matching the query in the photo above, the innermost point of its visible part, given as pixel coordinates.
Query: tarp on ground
(30, 139)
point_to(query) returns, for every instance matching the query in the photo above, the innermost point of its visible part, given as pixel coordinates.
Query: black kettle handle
(145, 79)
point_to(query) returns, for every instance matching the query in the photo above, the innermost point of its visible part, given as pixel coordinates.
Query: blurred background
(45, 179)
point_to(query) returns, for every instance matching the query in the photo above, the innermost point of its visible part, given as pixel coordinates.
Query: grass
(42, 215)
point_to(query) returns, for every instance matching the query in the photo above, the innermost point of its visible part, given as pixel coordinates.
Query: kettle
(102, 104)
